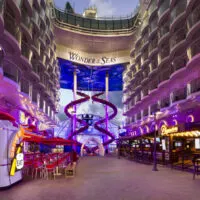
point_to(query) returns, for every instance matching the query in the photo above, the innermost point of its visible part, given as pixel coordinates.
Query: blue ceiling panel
(90, 78)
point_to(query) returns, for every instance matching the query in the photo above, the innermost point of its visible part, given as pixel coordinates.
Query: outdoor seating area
(47, 166)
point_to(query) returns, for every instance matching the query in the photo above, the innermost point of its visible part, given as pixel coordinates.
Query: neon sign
(165, 130)
(20, 134)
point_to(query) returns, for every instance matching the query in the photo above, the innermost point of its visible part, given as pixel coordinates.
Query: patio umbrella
(57, 141)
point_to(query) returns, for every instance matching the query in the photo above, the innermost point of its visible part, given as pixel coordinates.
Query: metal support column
(106, 108)
(74, 108)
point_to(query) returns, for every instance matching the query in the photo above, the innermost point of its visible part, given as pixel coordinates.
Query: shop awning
(6, 116)
(57, 141)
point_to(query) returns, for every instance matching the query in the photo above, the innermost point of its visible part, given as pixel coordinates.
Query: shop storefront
(176, 146)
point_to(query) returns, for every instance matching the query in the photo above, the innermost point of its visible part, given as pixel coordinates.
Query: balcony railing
(164, 30)
(1, 6)
(11, 73)
(153, 85)
(145, 23)
(11, 26)
(146, 112)
(154, 108)
(34, 96)
(195, 86)
(194, 17)
(178, 9)
(195, 48)
(163, 7)
(36, 68)
(153, 44)
(177, 37)
(25, 86)
(35, 17)
(36, 43)
(25, 49)
(153, 25)
(165, 102)
(164, 51)
(180, 95)
(26, 20)
(138, 116)
(81, 23)
(145, 92)
(153, 6)
(179, 63)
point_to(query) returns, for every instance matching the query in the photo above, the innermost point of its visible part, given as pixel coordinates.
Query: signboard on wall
(91, 59)
(19, 161)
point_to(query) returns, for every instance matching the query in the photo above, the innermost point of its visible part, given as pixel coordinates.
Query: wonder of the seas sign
(91, 60)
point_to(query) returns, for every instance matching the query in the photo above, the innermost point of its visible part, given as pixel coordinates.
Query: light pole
(154, 150)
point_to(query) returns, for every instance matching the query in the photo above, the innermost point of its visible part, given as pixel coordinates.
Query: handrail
(82, 23)
(103, 18)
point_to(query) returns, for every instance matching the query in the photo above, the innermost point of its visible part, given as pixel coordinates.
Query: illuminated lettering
(165, 130)
(86, 60)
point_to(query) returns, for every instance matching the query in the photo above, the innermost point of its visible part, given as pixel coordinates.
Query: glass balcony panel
(180, 94)
(1, 6)
(165, 102)
(164, 29)
(11, 73)
(117, 24)
(11, 26)
(178, 9)
(178, 36)
(153, 6)
(163, 7)
(71, 20)
(34, 96)
(195, 86)
(25, 49)
(25, 86)
(194, 16)
(79, 21)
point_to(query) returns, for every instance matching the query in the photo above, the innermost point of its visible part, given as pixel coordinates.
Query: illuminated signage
(19, 161)
(91, 60)
(167, 130)
(18, 136)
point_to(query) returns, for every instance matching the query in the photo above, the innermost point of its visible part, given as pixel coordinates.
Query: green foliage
(68, 8)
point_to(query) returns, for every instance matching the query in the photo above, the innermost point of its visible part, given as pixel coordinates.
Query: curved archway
(100, 146)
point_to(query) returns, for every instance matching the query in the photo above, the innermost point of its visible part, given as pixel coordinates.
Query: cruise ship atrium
(94, 105)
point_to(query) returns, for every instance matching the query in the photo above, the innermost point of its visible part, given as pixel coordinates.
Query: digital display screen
(163, 145)
(157, 139)
(197, 143)
(178, 144)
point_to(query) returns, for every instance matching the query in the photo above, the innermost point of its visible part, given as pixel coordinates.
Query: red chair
(37, 167)
(50, 169)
